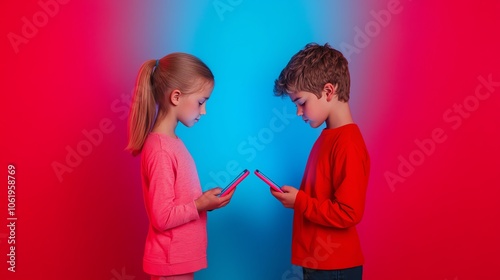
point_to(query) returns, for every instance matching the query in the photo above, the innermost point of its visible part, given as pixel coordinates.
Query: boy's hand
(209, 200)
(287, 198)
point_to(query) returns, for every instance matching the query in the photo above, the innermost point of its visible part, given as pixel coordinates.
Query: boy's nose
(299, 111)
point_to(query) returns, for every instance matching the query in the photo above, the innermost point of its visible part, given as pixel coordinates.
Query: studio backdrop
(425, 92)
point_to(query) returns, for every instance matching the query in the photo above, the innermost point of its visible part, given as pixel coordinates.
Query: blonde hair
(157, 78)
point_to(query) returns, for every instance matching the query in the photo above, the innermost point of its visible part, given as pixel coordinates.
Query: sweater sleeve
(164, 213)
(345, 208)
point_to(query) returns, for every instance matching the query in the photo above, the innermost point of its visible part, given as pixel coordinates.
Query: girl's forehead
(204, 92)
(201, 86)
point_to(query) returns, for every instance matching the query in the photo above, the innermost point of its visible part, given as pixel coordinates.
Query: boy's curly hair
(311, 68)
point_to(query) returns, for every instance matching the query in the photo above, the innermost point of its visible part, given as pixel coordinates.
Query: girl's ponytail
(142, 110)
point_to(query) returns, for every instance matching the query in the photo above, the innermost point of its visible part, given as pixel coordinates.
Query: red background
(441, 222)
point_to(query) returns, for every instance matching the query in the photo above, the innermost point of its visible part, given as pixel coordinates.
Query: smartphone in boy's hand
(268, 181)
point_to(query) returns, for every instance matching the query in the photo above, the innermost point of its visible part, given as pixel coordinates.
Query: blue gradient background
(80, 68)
(250, 239)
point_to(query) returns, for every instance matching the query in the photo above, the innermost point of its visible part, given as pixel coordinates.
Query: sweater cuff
(194, 214)
(300, 204)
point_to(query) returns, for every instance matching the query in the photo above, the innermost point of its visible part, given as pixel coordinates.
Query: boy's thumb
(285, 188)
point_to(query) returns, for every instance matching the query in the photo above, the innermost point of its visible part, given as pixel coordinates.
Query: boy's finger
(277, 195)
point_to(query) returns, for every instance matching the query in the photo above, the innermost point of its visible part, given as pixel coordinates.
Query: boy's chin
(314, 124)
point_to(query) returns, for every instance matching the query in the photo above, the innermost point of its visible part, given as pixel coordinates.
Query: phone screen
(268, 181)
(235, 182)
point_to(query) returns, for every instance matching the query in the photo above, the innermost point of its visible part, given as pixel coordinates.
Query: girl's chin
(189, 124)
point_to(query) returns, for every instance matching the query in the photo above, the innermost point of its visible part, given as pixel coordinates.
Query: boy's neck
(339, 115)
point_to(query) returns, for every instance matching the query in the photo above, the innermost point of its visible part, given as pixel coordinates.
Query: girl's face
(193, 106)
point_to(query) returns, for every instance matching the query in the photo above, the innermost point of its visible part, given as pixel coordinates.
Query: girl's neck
(165, 124)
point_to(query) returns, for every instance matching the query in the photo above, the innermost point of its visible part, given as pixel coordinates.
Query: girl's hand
(287, 198)
(210, 201)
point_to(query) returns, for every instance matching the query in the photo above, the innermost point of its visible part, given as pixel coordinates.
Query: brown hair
(180, 71)
(313, 67)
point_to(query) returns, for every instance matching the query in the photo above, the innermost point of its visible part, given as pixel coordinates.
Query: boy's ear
(330, 91)
(175, 97)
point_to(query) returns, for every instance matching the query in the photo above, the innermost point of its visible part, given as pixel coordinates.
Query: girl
(171, 90)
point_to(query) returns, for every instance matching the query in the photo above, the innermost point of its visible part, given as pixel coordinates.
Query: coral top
(331, 201)
(177, 238)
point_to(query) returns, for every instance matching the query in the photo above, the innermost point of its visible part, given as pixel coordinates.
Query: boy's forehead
(292, 95)
(295, 94)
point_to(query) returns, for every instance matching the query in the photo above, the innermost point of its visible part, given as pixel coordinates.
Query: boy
(331, 198)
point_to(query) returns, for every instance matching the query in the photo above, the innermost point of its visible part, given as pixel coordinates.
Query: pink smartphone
(234, 183)
(268, 181)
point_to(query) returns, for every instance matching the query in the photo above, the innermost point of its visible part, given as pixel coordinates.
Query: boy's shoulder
(346, 137)
(347, 131)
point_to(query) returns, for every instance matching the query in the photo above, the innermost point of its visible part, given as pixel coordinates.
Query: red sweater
(331, 201)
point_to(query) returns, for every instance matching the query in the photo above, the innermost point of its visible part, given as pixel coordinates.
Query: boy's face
(312, 110)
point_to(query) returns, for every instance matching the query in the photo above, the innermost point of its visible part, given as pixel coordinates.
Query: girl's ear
(175, 96)
(330, 91)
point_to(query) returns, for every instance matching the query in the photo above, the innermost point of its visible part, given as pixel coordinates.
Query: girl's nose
(203, 110)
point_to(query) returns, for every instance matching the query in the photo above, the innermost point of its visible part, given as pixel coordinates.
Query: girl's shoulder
(157, 142)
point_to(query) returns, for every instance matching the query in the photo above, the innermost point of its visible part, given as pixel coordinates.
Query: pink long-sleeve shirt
(177, 238)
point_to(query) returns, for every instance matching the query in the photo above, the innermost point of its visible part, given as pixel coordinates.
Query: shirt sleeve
(345, 209)
(163, 213)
